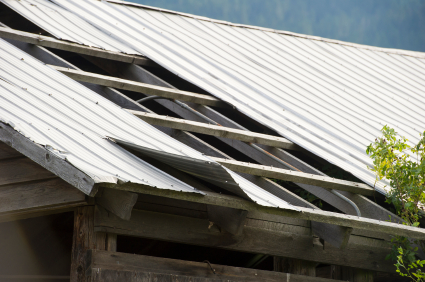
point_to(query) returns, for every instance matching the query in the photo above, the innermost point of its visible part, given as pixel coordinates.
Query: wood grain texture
(294, 266)
(231, 220)
(46, 159)
(7, 152)
(262, 237)
(84, 239)
(19, 201)
(302, 213)
(118, 202)
(20, 170)
(110, 266)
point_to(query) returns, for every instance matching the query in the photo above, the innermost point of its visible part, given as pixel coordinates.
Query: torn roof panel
(330, 97)
(74, 123)
(71, 122)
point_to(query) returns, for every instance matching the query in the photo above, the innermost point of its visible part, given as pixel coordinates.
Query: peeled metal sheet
(74, 123)
(330, 97)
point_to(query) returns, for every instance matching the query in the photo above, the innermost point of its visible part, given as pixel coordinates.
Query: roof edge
(402, 52)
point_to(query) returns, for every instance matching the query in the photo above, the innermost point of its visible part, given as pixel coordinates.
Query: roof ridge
(402, 52)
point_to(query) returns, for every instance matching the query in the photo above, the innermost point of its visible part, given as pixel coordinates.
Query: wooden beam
(294, 266)
(50, 42)
(46, 159)
(215, 130)
(338, 236)
(147, 89)
(6, 152)
(304, 213)
(110, 266)
(296, 176)
(118, 202)
(261, 237)
(20, 201)
(354, 274)
(20, 170)
(84, 239)
(231, 220)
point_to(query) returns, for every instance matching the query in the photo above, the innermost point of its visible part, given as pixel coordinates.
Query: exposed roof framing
(50, 42)
(295, 176)
(306, 213)
(137, 79)
(216, 130)
(144, 88)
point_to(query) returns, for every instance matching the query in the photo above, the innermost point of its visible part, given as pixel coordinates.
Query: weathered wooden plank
(338, 236)
(72, 47)
(6, 152)
(231, 220)
(49, 161)
(215, 130)
(303, 213)
(20, 201)
(144, 88)
(144, 268)
(257, 237)
(294, 266)
(296, 176)
(84, 238)
(118, 202)
(196, 210)
(22, 170)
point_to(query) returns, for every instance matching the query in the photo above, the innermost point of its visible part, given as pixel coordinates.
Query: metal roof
(74, 123)
(330, 97)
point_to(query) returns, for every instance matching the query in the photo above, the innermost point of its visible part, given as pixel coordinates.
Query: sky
(396, 24)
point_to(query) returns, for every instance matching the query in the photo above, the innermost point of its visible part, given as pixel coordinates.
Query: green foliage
(393, 160)
(412, 270)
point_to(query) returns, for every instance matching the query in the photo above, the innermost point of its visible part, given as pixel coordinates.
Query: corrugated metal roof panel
(330, 97)
(65, 25)
(74, 123)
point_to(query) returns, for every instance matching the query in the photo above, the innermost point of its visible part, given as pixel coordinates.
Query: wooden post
(295, 266)
(85, 238)
(351, 274)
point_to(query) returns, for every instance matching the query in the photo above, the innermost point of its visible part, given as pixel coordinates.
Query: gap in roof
(390, 24)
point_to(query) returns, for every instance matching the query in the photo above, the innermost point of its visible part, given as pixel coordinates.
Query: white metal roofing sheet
(73, 122)
(329, 97)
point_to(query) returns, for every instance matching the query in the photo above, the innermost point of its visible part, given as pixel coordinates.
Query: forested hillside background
(386, 23)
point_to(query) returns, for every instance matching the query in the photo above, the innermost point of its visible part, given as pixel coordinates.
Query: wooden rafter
(215, 130)
(50, 42)
(144, 88)
(296, 176)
